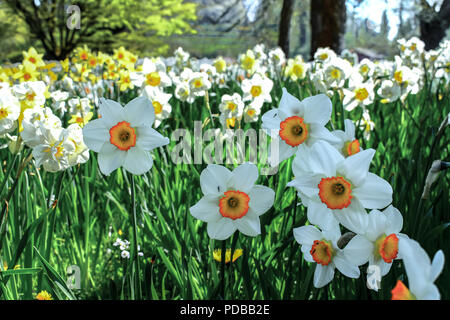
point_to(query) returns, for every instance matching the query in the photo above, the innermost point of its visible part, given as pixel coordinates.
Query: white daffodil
(337, 189)
(390, 91)
(231, 106)
(124, 135)
(9, 111)
(324, 55)
(183, 92)
(252, 111)
(81, 152)
(153, 74)
(30, 93)
(421, 272)
(335, 72)
(59, 101)
(366, 68)
(296, 68)
(160, 102)
(34, 119)
(199, 83)
(258, 87)
(277, 57)
(321, 247)
(231, 201)
(347, 144)
(359, 93)
(378, 244)
(367, 125)
(54, 149)
(298, 122)
(79, 106)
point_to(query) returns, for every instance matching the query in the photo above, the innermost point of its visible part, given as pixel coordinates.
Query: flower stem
(135, 250)
(222, 268)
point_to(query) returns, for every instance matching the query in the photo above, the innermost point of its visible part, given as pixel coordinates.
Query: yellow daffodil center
(323, 56)
(401, 292)
(364, 69)
(44, 295)
(231, 122)
(361, 94)
(335, 74)
(217, 254)
(157, 106)
(293, 131)
(335, 192)
(153, 79)
(255, 91)
(297, 70)
(251, 112)
(122, 136)
(231, 106)
(248, 63)
(3, 113)
(56, 150)
(398, 76)
(386, 248)
(234, 204)
(322, 252)
(198, 83)
(351, 147)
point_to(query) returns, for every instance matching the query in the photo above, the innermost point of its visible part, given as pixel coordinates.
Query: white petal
(111, 111)
(140, 112)
(110, 158)
(319, 132)
(221, 229)
(213, 179)
(320, 215)
(317, 109)
(243, 177)
(289, 106)
(377, 225)
(271, 121)
(207, 209)
(261, 199)
(138, 161)
(354, 217)
(394, 219)
(358, 250)
(356, 167)
(349, 129)
(306, 183)
(323, 275)
(437, 265)
(148, 138)
(249, 224)
(95, 134)
(280, 151)
(374, 192)
(306, 235)
(345, 267)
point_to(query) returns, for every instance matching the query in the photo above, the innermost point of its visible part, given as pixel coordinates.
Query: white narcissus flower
(231, 106)
(421, 272)
(378, 244)
(336, 71)
(81, 152)
(9, 111)
(390, 91)
(347, 144)
(199, 83)
(54, 149)
(123, 136)
(298, 122)
(252, 111)
(359, 93)
(33, 120)
(337, 189)
(321, 247)
(232, 201)
(160, 102)
(258, 87)
(153, 74)
(324, 55)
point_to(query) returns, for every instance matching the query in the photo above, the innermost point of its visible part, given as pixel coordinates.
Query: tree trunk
(327, 20)
(285, 25)
(433, 25)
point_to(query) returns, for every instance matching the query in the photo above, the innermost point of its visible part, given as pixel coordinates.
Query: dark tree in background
(327, 19)
(433, 24)
(285, 24)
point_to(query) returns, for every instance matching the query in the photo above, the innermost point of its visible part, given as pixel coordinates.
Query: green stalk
(138, 289)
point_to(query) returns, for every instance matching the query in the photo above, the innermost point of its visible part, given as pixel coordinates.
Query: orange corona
(123, 136)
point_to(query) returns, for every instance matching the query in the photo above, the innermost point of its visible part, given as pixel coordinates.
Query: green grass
(43, 236)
